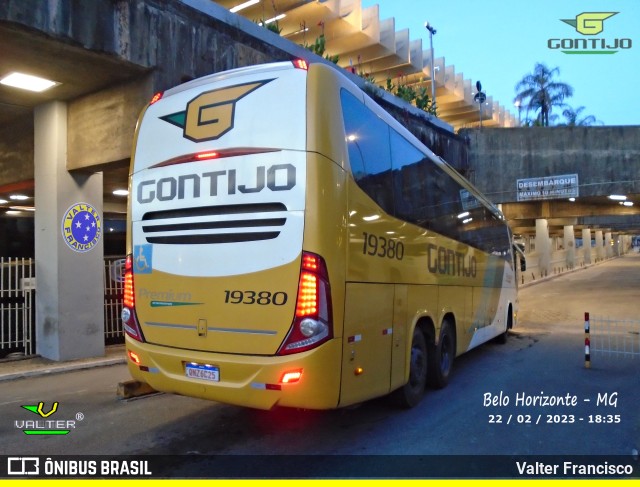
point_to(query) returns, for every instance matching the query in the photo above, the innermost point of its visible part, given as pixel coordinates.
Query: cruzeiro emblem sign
(81, 227)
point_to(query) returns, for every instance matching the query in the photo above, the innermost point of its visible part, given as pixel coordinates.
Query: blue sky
(499, 41)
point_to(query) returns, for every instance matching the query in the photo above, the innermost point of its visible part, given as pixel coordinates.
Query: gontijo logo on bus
(589, 24)
(210, 115)
(46, 426)
(278, 177)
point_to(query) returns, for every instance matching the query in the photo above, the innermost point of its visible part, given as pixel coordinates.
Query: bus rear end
(222, 300)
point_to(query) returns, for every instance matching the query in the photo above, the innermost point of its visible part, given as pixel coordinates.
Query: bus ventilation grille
(214, 224)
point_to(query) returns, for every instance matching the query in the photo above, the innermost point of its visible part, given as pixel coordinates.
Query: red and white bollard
(587, 342)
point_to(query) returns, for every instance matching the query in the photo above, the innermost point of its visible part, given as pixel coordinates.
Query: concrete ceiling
(357, 35)
(78, 72)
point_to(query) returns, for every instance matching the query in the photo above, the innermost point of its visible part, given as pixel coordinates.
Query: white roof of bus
(232, 73)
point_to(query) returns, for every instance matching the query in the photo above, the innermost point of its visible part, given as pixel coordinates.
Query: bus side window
(369, 153)
(518, 256)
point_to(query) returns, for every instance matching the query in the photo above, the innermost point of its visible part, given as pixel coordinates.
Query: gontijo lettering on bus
(277, 177)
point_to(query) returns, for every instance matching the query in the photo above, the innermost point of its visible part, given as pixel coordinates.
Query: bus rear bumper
(243, 380)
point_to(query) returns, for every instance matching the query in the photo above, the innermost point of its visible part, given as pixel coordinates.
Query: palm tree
(573, 118)
(538, 91)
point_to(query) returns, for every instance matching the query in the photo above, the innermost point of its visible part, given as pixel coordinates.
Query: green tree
(574, 117)
(319, 48)
(540, 92)
(272, 26)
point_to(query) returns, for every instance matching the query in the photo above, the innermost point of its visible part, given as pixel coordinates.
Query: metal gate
(17, 309)
(113, 291)
(614, 338)
(17, 313)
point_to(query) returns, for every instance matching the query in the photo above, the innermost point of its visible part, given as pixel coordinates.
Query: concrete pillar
(627, 243)
(586, 245)
(618, 244)
(570, 245)
(600, 252)
(543, 246)
(68, 246)
(608, 249)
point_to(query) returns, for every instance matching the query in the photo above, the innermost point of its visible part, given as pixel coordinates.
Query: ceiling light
(617, 197)
(572, 199)
(27, 82)
(121, 192)
(273, 19)
(18, 197)
(242, 6)
(628, 203)
(2, 202)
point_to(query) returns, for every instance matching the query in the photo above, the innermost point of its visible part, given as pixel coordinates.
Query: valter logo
(590, 24)
(46, 425)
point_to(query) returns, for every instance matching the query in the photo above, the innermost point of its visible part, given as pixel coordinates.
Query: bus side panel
(367, 342)
(497, 301)
(325, 130)
(401, 327)
(325, 227)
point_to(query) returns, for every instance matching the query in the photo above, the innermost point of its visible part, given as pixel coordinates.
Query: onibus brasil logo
(590, 25)
(45, 425)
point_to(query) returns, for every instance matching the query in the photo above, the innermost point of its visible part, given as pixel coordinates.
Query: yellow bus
(291, 244)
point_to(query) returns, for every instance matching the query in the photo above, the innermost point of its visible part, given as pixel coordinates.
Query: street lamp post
(480, 98)
(432, 32)
(518, 104)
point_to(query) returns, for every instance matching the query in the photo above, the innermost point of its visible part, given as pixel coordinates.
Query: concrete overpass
(72, 144)
(555, 186)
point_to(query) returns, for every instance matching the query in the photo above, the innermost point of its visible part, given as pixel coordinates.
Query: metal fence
(17, 305)
(113, 290)
(614, 338)
(17, 313)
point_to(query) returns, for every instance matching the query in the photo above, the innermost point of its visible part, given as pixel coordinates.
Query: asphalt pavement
(11, 369)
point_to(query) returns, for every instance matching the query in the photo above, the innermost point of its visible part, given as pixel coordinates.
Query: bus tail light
(156, 97)
(128, 315)
(301, 64)
(134, 357)
(313, 323)
(291, 377)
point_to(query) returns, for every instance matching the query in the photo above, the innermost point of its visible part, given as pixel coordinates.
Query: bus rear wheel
(411, 393)
(441, 357)
(502, 337)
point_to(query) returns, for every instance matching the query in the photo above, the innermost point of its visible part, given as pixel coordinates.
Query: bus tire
(441, 357)
(411, 393)
(502, 337)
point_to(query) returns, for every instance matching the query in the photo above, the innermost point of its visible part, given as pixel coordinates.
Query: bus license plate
(204, 372)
